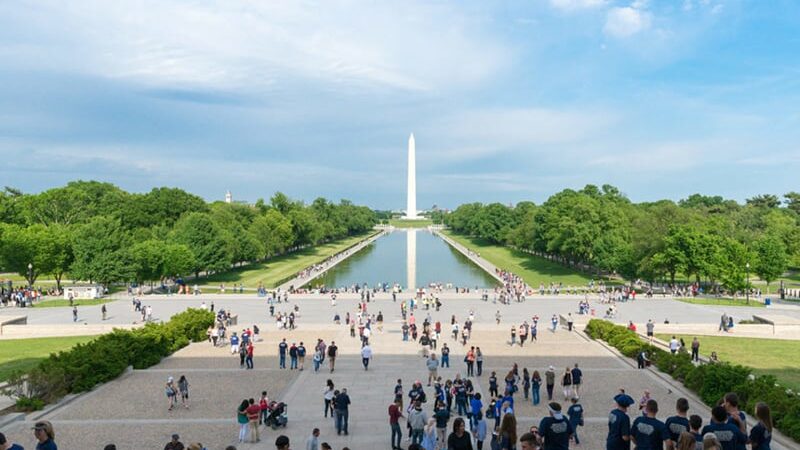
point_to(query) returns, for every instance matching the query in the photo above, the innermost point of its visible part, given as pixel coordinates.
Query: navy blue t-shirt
(576, 375)
(760, 437)
(677, 425)
(575, 414)
(619, 425)
(728, 434)
(282, 348)
(649, 433)
(555, 433)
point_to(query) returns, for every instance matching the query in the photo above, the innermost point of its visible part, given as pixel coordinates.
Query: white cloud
(573, 5)
(238, 43)
(623, 22)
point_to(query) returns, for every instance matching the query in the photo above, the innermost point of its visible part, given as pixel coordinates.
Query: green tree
(274, 231)
(178, 260)
(101, 252)
(771, 260)
(764, 201)
(205, 240)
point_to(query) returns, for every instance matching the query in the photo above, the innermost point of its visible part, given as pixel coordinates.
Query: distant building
(228, 197)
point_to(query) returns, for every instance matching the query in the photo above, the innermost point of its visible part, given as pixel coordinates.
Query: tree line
(706, 239)
(98, 232)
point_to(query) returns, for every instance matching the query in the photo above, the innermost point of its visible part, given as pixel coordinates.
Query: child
(575, 413)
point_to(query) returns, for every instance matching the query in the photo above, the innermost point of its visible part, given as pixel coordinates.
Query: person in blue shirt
(555, 429)
(619, 424)
(735, 416)
(43, 431)
(282, 347)
(647, 431)
(5, 445)
(575, 414)
(234, 344)
(678, 423)
(728, 434)
(475, 407)
(761, 434)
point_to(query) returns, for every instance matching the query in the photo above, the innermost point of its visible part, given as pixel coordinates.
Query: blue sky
(508, 101)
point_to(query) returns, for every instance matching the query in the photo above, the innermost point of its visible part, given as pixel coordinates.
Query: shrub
(710, 381)
(86, 365)
(29, 404)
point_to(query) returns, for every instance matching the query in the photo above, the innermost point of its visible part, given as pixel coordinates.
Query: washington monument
(411, 205)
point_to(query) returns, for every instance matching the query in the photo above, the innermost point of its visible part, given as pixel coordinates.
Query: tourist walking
(395, 413)
(74, 313)
(332, 352)
(249, 356)
(650, 327)
(536, 383)
(577, 380)
(554, 322)
(312, 443)
(366, 355)
(293, 356)
(432, 364)
(479, 360)
(342, 406)
(327, 396)
(301, 355)
(513, 335)
(575, 415)
(550, 381)
(445, 356)
(470, 360)
(283, 347)
(619, 424)
(241, 419)
(172, 393)
(417, 419)
(183, 387)
(526, 382)
(555, 428)
(104, 311)
(253, 412)
(695, 349)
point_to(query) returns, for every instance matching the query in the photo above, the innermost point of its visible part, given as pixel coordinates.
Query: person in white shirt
(366, 354)
(674, 345)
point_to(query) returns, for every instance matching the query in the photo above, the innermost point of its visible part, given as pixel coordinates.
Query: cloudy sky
(508, 101)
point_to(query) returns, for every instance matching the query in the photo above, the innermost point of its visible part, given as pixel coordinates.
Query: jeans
(575, 433)
(445, 361)
(263, 416)
(405, 336)
(416, 436)
(695, 354)
(461, 406)
(535, 394)
(327, 407)
(341, 420)
(283, 362)
(470, 368)
(243, 431)
(397, 435)
(249, 361)
(480, 368)
(365, 362)
(293, 362)
(316, 366)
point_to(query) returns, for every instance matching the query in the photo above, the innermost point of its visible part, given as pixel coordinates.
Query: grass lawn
(722, 301)
(765, 356)
(417, 223)
(277, 270)
(24, 354)
(532, 269)
(80, 302)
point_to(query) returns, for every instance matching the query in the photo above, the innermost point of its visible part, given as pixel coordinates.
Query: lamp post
(747, 288)
(30, 275)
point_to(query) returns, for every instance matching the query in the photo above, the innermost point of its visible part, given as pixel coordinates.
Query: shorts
(433, 373)
(649, 334)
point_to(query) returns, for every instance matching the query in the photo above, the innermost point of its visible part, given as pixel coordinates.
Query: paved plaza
(132, 411)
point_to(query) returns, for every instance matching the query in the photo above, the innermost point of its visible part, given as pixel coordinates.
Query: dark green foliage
(702, 238)
(105, 358)
(710, 381)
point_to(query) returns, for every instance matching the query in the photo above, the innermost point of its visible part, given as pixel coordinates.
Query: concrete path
(132, 412)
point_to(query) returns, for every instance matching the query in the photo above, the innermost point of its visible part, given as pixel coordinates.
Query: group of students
(727, 429)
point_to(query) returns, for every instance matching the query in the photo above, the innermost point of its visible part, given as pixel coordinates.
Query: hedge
(84, 366)
(709, 381)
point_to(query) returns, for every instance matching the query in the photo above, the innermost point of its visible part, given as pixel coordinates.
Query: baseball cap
(624, 400)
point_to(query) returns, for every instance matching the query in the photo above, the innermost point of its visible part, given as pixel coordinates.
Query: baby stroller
(278, 415)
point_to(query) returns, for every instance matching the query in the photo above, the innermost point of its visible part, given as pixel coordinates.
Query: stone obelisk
(411, 205)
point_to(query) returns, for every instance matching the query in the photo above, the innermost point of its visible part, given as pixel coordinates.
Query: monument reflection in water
(413, 257)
